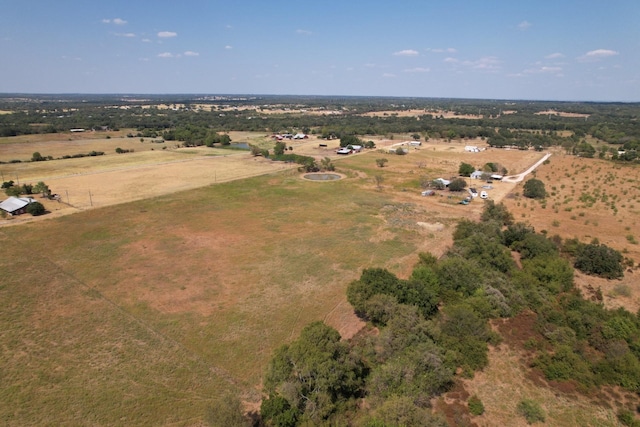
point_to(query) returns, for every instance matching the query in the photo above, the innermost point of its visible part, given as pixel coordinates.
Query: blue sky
(586, 50)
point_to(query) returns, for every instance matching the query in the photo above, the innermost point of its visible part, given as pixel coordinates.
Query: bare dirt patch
(422, 112)
(561, 114)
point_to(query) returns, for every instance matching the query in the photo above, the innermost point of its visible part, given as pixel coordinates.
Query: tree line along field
(174, 300)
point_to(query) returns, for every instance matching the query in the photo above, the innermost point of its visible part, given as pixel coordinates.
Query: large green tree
(534, 189)
(314, 375)
(466, 169)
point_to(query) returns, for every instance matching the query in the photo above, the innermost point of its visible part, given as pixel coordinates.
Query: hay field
(149, 171)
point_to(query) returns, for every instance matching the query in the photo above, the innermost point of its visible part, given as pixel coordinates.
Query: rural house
(16, 205)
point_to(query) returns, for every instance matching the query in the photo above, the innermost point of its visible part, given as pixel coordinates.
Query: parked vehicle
(484, 195)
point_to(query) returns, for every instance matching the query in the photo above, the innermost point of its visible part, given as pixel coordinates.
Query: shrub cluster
(433, 326)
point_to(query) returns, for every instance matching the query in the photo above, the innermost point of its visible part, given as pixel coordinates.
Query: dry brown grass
(589, 199)
(504, 383)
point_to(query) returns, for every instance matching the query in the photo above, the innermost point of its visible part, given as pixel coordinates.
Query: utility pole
(90, 199)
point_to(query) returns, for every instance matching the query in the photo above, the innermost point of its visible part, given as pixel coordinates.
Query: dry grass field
(186, 279)
(590, 199)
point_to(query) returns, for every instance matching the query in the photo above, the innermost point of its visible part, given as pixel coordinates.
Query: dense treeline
(428, 329)
(523, 127)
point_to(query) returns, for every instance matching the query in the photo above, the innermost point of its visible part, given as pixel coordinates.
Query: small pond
(322, 176)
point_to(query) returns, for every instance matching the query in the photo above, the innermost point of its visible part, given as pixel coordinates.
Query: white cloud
(598, 54)
(389, 75)
(228, 47)
(486, 63)
(406, 52)
(545, 70)
(304, 32)
(146, 40)
(556, 55)
(115, 21)
(524, 25)
(166, 55)
(440, 50)
(191, 53)
(129, 35)
(451, 60)
(417, 70)
(167, 34)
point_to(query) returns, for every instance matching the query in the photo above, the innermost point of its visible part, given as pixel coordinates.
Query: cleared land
(149, 310)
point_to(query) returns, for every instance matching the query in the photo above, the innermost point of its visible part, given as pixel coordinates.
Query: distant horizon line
(201, 94)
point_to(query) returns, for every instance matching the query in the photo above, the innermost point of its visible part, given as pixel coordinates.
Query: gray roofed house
(16, 205)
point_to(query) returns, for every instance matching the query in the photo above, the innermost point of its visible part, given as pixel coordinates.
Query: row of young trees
(434, 326)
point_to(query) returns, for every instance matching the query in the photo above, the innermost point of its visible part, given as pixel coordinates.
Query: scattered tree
(350, 140)
(35, 208)
(37, 157)
(378, 179)
(534, 189)
(458, 184)
(496, 212)
(466, 169)
(327, 165)
(437, 184)
(279, 148)
(381, 162)
(42, 188)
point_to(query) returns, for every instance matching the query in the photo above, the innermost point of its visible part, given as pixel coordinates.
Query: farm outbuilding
(16, 205)
(477, 174)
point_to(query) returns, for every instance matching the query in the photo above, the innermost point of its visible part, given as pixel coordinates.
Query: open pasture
(223, 274)
(156, 307)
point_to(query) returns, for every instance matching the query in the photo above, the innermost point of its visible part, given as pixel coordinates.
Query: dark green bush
(599, 260)
(531, 411)
(475, 405)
